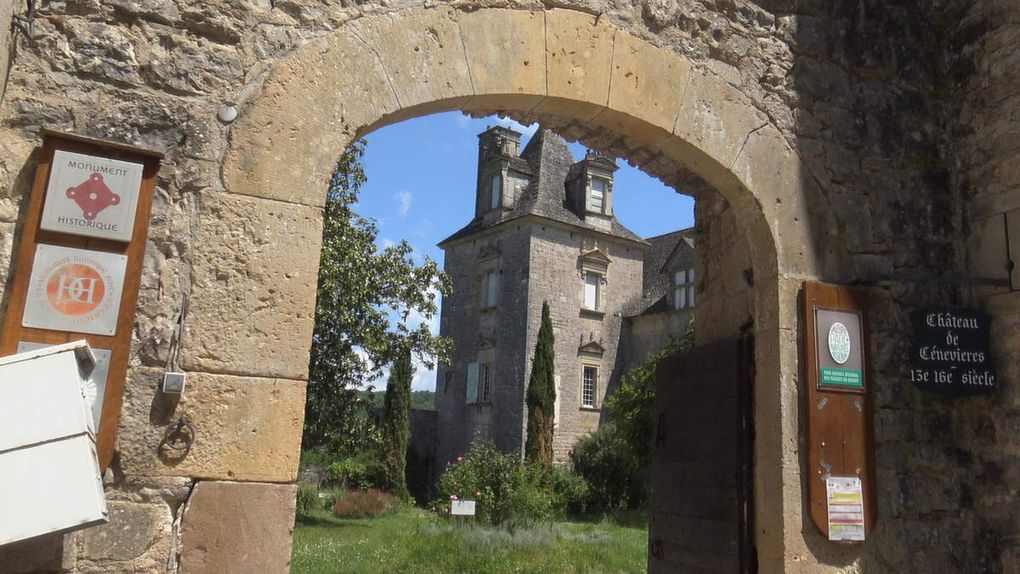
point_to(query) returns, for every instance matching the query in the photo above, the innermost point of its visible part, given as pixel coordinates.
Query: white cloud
(463, 121)
(404, 199)
(386, 242)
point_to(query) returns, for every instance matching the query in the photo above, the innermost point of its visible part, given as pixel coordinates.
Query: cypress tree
(396, 429)
(541, 399)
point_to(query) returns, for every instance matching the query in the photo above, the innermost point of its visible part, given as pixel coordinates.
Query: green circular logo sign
(839, 343)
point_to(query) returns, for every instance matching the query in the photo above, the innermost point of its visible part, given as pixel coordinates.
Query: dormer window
(683, 289)
(598, 195)
(496, 192)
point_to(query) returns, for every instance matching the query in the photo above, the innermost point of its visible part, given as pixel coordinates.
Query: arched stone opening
(576, 73)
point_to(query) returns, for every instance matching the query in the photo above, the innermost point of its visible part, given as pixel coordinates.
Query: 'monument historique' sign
(951, 353)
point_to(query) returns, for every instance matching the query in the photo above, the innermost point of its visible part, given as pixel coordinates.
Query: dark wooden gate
(702, 456)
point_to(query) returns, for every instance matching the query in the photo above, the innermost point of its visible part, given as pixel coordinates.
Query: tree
(632, 406)
(365, 299)
(397, 423)
(541, 397)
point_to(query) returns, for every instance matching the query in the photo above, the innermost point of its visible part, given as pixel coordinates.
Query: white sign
(92, 196)
(96, 385)
(462, 507)
(845, 503)
(74, 290)
(839, 343)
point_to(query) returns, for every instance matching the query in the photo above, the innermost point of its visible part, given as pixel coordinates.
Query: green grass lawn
(413, 540)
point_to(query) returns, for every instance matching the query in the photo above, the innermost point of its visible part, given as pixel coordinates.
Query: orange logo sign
(75, 289)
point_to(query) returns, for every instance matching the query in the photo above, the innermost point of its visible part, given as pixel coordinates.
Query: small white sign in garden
(462, 507)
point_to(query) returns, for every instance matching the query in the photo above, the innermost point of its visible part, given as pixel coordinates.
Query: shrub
(363, 471)
(569, 492)
(307, 499)
(632, 406)
(364, 504)
(610, 468)
(505, 491)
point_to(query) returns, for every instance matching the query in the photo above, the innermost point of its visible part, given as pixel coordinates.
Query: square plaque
(74, 290)
(92, 196)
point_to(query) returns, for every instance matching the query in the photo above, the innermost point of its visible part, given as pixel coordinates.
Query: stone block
(33, 556)
(579, 56)
(254, 283)
(421, 51)
(243, 428)
(135, 531)
(505, 51)
(989, 249)
(647, 82)
(238, 527)
(311, 102)
(716, 117)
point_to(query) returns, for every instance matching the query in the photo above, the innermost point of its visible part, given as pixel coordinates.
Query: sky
(421, 177)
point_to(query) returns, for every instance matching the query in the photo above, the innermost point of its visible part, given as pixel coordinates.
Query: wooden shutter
(472, 383)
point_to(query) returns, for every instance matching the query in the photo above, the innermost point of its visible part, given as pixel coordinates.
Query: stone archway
(572, 70)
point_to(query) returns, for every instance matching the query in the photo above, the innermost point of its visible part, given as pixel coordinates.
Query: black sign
(951, 353)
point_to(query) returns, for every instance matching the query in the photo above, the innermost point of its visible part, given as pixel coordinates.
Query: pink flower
(478, 493)
(446, 511)
(460, 459)
(453, 497)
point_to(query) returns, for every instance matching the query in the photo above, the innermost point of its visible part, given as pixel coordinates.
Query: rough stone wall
(7, 40)
(537, 262)
(644, 334)
(880, 100)
(989, 175)
(555, 276)
(496, 331)
(722, 271)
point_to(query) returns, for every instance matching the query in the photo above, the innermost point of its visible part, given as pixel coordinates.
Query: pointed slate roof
(550, 163)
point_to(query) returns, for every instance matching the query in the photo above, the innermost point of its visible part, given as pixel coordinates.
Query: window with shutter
(496, 191)
(472, 383)
(592, 282)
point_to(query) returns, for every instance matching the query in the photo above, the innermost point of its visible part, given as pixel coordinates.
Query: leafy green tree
(541, 399)
(365, 298)
(397, 424)
(632, 406)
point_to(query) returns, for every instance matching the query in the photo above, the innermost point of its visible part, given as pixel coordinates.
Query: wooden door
(702, 461)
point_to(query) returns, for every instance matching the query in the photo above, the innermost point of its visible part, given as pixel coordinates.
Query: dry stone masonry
(857, 142)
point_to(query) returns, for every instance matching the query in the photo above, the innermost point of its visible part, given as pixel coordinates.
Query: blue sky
(421, 177)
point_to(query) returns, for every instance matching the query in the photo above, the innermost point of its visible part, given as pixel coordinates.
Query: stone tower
(543, 230)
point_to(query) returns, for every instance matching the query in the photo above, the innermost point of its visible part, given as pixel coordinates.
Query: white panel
(51, 487)
(462, 507)
(95, 386)
(472, 383)
(92, 196)
(41, 399)
(74, 290)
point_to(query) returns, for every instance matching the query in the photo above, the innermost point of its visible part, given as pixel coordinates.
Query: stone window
(479, 382)
(485, 383)
(683, 289)
(592, 290)
(496, 191)
(589, 386)
(488, 289)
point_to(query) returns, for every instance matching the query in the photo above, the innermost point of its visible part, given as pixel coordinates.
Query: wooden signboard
(951, 352)
(841, 456)
(78, 263)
